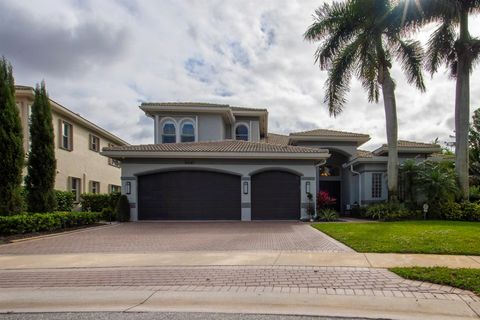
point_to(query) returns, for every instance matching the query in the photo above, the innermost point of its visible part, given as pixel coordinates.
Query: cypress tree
(11, 144)
(40, 180)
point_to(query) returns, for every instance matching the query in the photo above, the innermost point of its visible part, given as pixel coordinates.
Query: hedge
(65, 200)
(96, 202)
(36, 222)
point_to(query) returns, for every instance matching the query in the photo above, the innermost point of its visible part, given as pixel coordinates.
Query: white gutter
(359, 185)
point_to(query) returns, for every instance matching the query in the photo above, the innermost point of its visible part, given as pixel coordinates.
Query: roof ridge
(329, 130)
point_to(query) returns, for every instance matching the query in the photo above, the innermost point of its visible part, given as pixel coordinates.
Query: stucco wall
(347, 148)
(133, 168)
(81, 162)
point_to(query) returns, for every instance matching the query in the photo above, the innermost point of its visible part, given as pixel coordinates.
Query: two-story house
(78, 142)
(218, 162)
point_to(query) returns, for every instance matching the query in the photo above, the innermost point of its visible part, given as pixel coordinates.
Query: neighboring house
(218, 162)
(78, 142)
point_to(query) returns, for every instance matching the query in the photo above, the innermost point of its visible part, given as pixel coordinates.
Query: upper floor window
(169, 133)
(241, 132)
(94, 143)
(329, 171)
(111, 161)
(376, 185)
(188, 132)
(66, 141)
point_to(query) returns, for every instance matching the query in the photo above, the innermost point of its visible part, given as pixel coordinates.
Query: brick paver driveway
(183, 236)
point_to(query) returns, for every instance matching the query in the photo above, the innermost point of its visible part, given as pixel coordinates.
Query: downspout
(359, 185)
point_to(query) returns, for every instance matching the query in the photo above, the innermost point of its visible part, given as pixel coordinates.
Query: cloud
(103, 58)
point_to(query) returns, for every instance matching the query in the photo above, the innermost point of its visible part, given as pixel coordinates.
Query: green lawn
(468, 279)
(436, 237)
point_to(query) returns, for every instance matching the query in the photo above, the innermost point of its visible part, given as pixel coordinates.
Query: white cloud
(103, 58)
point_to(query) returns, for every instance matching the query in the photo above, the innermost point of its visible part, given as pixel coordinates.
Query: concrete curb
(78, 299)
(222, 258)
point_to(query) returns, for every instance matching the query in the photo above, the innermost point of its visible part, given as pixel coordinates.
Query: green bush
(96, 202)
(122, 210)
(448, 210)
(65, 200)
(471, 211)
(108, 214)
(328, 214)
(474, 193)
(36, 222)
(388, 212)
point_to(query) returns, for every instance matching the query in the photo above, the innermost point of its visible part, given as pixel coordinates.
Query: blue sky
(103, 58)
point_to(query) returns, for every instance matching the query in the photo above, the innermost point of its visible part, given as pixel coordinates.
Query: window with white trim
(75, 187)
(114, 188)
(67, 136)
(94, 143)
(169, 133)
(111, 161)
(376, 185)
(187, 132)
(241, 132)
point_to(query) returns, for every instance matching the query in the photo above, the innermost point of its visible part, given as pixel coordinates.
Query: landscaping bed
(12, 238)
(467, 279)
(430, 237)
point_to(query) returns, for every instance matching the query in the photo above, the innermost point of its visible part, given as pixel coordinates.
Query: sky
(103, 58)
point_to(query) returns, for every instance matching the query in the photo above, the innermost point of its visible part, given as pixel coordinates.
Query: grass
(434, 237)
(467, 279)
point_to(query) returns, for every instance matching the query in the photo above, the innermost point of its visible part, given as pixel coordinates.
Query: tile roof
(328, 132)
(414, 144)
(363, 154)
(275, 138)
(217, 146)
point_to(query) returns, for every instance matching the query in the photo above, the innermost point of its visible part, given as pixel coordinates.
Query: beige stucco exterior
(80, 162)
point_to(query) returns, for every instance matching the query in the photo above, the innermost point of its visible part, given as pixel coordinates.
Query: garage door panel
(189, 195)
(275, 196)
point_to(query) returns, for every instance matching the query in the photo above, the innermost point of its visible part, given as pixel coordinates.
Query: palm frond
(441, 47)
(327, 19)
(338, 81)
(368, 70)
(410, 54)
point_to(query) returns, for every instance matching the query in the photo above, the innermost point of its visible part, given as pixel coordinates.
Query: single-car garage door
(275, 196)
(189, 195)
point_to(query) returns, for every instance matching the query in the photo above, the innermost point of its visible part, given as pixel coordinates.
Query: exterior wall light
(307, 187)
(245, 187)
(128, 187)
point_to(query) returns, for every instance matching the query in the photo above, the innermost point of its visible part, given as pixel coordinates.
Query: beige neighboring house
(78, 142)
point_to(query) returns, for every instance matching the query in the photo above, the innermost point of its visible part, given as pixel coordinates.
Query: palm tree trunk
(388, 91)
(462, 106)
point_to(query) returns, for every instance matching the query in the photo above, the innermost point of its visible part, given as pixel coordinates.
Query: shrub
(108, 214)
(388, 212)
(449, 210)
(98, 201)
(65, 200)
(474, 193)
(122, 210)
(471, 211)
(324, 200)
(36, 222)
(328, 214)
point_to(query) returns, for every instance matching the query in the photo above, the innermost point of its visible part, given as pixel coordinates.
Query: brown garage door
(189, 195)
(275, 196)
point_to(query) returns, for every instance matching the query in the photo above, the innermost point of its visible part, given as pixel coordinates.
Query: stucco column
(307, 184)
(246, 190)
(130, 183)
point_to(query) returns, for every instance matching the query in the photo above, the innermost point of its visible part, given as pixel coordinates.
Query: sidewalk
(236, 258)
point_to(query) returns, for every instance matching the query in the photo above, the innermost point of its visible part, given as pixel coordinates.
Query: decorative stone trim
(246, 205)
(245, 178)
(128, 178)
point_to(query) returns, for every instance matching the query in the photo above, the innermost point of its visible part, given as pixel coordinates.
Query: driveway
(151, 237)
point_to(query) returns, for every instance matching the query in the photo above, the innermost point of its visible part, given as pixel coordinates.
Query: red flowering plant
(324, 199)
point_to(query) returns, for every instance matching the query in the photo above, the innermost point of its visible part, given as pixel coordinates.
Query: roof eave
(358, 140)
(216, 155)
(365, 160)
(151, 110)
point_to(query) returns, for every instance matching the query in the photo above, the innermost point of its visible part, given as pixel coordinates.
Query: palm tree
(361, 38)
(451, 45)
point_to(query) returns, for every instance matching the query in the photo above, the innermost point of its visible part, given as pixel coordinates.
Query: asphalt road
(157, 316)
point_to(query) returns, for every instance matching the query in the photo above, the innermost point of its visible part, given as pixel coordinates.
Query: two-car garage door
(207, 195)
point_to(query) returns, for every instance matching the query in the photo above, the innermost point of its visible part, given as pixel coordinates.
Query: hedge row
(36, 222)
(96, 202)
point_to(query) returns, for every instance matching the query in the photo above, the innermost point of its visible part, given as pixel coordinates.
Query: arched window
(241, 132)
(329, 171)
(187, 132)
(169, 133)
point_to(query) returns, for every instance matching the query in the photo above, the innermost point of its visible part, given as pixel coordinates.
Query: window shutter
(60, 133)
(70, 137)
(69, 183)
